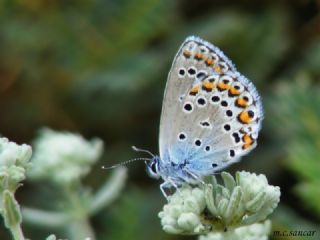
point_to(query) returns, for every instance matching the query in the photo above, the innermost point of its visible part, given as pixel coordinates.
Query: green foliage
(298, 102)
(136, 215)
(100, 67)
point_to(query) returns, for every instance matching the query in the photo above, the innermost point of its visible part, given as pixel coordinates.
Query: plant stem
(44, 218)
(81, 230)
(16, 232)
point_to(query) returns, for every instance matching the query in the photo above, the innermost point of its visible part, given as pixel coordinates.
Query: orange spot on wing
(240, 102)
(223, 86)
(234, 92)
(248, 141)
(194, 91)
(208, 86)
(198, 56)
(209, 61)
(244, 117)
(217, 69)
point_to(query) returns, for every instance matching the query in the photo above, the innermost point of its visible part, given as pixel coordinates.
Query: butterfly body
(211, 116)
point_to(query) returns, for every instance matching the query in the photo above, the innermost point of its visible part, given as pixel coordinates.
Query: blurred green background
(100, 67)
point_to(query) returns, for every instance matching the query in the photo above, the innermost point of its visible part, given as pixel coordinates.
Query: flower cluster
(213, 207)
(63, 157)
(14, 159)
(257, 231)
(183, 213)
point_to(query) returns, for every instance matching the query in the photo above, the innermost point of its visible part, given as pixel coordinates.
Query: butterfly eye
(153, 168)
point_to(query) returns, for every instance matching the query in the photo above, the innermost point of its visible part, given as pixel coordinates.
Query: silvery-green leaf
(11, 210)
(228, 180)
(233, 204)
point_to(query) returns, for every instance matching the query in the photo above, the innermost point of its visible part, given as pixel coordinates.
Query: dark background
(99, 68)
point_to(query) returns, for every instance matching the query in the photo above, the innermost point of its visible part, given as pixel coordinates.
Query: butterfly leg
(196, 177)
(163, 185)
(172, 182)
(168, 183)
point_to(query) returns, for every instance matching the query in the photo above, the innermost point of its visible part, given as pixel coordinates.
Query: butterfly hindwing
(211, 114)
(224, 129)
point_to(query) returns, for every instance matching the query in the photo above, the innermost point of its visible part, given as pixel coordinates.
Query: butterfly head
(153, 167)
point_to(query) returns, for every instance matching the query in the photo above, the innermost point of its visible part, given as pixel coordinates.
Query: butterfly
(211, 116)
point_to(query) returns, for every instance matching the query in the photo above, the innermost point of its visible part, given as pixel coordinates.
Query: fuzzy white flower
(63, 157)
(218, 208)
(257, 231)
(182, 213)
(14, 159)
(260, 198)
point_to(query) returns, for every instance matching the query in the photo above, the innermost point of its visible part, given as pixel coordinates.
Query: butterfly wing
(227, 118)
(181, 78)
(211, 114)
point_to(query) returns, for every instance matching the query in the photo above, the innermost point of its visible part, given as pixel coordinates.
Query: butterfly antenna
(142, 150)
(126, 162)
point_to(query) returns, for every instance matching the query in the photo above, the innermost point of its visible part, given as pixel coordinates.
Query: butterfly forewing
(181, 78)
